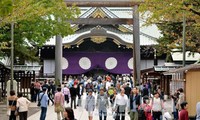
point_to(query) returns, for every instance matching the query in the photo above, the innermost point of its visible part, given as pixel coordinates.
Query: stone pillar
(136, 44)
(58, 59)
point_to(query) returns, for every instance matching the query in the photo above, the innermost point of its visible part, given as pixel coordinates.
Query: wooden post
(136, 45)
(58, 59)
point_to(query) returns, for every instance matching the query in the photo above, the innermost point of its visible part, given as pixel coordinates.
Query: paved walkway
(80, 113)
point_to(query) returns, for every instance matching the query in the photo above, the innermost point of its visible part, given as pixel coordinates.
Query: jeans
(43, 113)
(12, 116)
(23, 115)
(101, 113)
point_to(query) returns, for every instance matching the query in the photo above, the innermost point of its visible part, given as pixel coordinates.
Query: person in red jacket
(183, 114)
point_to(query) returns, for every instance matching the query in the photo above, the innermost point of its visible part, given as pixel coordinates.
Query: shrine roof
(123, 38)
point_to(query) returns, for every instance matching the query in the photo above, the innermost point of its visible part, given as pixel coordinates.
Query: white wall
(150, 63)
(49, 67)
(29, 63)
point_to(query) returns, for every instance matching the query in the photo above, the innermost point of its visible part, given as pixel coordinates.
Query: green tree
(35, 22)
(168, 16)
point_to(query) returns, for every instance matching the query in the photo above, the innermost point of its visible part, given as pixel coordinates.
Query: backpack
(110, 91)
(141, 113)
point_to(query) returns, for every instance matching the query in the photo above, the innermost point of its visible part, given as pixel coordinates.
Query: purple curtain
(82, 62)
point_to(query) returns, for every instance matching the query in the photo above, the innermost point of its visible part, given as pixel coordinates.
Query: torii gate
(105, 3)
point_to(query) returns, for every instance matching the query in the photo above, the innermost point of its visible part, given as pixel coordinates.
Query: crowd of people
(140, 102)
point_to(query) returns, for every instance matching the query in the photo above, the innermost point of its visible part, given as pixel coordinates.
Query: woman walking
(59, 103)
(22, 104)
(157, 106)
(12, 102)
(90, 104)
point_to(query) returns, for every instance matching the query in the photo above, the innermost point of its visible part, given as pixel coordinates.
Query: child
(183, 114)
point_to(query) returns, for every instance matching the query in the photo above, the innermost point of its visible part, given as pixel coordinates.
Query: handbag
(114, 115)
(17, 112)
(9, 109)
(39, 102)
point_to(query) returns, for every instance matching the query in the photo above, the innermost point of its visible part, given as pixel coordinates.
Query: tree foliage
(168, 16)
(35, 22)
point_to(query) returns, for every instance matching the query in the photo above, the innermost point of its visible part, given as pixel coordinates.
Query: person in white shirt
(108, 84)
(120, 104)
(157, 106)
(22, 104)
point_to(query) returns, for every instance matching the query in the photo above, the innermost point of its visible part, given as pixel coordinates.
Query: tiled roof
(145, 40)
(184, 69)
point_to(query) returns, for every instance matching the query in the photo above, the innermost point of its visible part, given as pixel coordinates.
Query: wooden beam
(102, 21)
(103, 3)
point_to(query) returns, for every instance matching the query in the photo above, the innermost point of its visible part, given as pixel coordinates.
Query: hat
(90, 90)
(44, 88)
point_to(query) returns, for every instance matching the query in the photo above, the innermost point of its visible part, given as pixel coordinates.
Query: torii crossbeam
(103, 3)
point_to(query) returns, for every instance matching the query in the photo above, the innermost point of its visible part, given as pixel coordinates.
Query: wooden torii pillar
(106, 3)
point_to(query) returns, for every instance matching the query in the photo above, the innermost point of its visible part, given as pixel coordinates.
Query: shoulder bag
(39, 102)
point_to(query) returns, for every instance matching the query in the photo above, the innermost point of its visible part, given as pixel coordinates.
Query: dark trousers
(120, 114)
(101, 113)
(33, 97)
(43, 113)
(73, 100)
(50, 98)
(37, 93)
(67, 98)
(23, 115)
(157, 115)
(12, 116)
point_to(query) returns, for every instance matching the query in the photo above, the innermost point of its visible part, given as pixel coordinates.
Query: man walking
(127, 90)
(73, 93)
(120, 104)
(134, 104)
(43, 99)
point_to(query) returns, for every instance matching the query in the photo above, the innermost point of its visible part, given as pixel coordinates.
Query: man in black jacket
(145, 91)
(134, 104)
(127, 90)
(73, 93)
